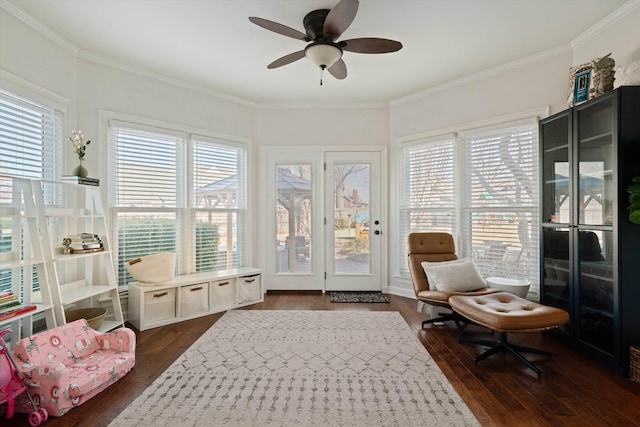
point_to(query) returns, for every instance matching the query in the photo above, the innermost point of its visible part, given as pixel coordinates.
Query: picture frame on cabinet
(581, 87)
(579, 84)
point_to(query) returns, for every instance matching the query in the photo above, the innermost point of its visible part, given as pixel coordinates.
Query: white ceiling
(211, 43)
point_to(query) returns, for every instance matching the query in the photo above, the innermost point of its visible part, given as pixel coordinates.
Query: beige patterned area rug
(302, 368)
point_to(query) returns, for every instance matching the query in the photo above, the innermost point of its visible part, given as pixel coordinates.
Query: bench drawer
(194, 299)
(160, 305)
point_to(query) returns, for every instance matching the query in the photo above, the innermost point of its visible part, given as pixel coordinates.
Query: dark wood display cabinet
(590, 250)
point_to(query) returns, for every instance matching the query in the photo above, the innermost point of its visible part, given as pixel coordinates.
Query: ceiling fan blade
(339, 69)
(370, 45)
(340, 17)
(287, 59)
(279, 28)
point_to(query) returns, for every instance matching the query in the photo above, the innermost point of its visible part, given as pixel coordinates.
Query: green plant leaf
(635, 188)
(634, 198)
(636, 180)
(634, 216)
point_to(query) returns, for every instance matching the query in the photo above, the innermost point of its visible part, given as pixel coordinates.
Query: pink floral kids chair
(68, 365)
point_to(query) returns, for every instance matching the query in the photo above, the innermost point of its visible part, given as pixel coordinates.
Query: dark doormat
(358, 297)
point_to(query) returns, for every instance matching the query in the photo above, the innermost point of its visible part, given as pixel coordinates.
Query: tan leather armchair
(435, 247)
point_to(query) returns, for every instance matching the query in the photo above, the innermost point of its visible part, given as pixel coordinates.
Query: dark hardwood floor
(573, 391)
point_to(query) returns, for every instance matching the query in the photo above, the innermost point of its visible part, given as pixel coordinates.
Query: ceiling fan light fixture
(323, 55)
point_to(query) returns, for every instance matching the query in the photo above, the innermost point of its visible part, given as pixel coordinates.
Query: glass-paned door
(556, 169)
(353, 221)
(294, 218)
(596, 191)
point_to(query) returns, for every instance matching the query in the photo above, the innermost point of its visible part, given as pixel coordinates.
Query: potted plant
(634, 200)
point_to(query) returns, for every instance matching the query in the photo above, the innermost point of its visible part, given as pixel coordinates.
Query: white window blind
(219, 200)
(147, 169)
(30, 138)
(500, 203)
(427, 198)
(147, 192)
(31, 147)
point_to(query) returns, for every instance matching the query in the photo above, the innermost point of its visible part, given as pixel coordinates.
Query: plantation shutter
(427, 191)
(500, 201)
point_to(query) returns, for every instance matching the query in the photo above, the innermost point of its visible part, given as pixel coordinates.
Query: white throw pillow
(460, 275)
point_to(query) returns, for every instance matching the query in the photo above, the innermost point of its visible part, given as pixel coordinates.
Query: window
(219, 186)
(500, 203)
(427, 199)
(172, 191)
(30, 147)
(494, 214)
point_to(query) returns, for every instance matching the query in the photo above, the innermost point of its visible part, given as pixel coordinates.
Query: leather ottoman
(504, 312)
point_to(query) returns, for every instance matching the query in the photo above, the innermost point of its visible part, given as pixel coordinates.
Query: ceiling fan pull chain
(321, 74)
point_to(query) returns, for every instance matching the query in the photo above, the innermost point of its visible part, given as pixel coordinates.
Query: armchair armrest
(122, 339)
(38, 374)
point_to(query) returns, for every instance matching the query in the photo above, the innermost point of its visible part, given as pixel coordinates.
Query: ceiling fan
(323, 28)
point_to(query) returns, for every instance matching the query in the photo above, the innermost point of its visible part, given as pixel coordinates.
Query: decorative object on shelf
(602, 76)
(82, 243)
(80, 148)
(634, 200)
(93, 316)
(627, 76)
(66, 242)
(590, 80)
(82, 180)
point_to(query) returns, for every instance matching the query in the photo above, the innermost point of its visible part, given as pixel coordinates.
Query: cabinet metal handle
(195, 289)
(223, 284)
(250, 281)
(163, 294)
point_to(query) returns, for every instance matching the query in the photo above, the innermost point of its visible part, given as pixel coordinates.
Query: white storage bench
(193, 295)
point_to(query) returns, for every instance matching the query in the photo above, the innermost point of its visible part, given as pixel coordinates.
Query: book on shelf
(84, 241)
(6, 298)
(83, 246)
(86, 251)
(4, 307)
(82, 236)
(81, 180)
(17, 311)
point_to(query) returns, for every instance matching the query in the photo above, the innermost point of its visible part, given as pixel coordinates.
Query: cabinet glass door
(556, 169)
(596, 289)
(556, 266)
(596, 190)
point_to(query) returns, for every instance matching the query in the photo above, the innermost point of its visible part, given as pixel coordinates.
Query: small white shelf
(70, 296)
(27, 262)
(83, 279)
(59, 257)
(40, 308)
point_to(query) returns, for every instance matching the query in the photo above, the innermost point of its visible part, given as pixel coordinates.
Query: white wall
(33, 66)
(619, 35)
(323, 126)
(101, 87)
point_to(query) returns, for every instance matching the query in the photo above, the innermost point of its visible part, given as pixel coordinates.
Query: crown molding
(532, 59)
(372, 106)
(98, 59)
(606, 23)
(39, 27)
